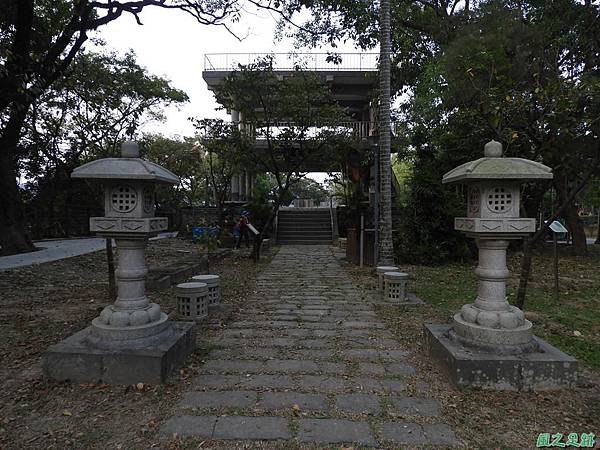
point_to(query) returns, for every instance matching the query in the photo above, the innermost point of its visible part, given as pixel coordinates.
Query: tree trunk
(598, 229)
(579, 239)
(571, 217)
(386, 246)
(13, 235)
(525, 272)
(220, 203)
(258, 239)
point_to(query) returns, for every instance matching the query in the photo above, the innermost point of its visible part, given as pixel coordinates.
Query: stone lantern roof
(128, 167)
(495, 167)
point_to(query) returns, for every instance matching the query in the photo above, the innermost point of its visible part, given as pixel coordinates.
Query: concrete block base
(74, 359)
(546, 369)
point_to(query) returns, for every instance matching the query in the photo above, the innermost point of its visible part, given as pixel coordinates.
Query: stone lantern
(490, 343)
(131, 340)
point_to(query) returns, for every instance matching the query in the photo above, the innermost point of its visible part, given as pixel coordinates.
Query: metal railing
(357, 129)
(292, 61)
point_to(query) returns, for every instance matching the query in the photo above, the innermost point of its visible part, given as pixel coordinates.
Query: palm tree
(386, 247)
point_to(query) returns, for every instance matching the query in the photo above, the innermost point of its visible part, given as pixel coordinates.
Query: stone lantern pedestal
(131, 340)
(490, 344)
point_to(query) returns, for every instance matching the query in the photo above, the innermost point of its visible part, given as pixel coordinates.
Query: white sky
(172, 44)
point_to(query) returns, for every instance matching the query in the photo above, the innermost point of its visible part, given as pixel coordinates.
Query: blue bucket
(200, 231)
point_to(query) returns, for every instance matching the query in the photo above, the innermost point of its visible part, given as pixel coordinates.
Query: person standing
(242, 227)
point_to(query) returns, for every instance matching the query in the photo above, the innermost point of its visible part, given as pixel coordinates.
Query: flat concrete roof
(352, 89)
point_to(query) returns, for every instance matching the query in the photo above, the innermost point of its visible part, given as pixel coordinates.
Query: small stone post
(381, 270)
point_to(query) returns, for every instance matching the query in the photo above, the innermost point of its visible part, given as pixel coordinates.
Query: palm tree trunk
(386, 247)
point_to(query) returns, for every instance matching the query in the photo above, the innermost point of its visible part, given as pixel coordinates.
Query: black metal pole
(555, 266)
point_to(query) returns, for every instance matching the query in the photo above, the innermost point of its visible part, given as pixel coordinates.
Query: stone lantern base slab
(75, 359)
(546, 369)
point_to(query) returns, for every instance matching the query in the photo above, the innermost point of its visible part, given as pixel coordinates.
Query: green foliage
(593, 193)
(39, 41)
(307, 188)
(426, 230)
(523, 73)
(222, 146)
(183, 158)
(84, 116)
(403, 171)
(293, 121)
(207, 243)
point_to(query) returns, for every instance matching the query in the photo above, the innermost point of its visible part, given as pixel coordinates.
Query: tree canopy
(524, 73)
(39, 40)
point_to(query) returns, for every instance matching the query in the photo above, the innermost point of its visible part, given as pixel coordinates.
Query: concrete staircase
(309, 226)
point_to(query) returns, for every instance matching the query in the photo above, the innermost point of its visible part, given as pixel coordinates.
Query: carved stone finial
(493, 149)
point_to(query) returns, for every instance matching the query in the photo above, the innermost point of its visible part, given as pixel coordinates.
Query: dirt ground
(41, 305)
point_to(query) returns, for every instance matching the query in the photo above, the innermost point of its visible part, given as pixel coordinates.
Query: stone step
(306, 226)
(304, 223)
(321, 431)
(301, 383)
(316, 217)
(271, 400)
(300, 366)
(307, 337)
(301, 229)
(303, 242)
(315, 354)
(304, 212)
(304, 235)
(319, 217)
(304, 219)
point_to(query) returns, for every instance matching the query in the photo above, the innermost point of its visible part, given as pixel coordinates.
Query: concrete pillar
(235, 116)
(243, 185)
(235, 187)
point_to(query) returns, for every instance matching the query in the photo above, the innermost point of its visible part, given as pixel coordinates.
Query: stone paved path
(310, 361)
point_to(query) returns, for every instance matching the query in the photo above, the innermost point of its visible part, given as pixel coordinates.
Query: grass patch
(446, 288)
